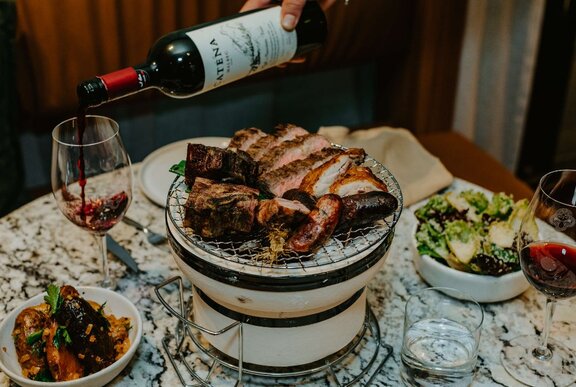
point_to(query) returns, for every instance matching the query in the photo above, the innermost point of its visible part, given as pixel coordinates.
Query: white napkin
(419, 173)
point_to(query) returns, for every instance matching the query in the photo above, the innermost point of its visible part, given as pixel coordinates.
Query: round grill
(245, 251)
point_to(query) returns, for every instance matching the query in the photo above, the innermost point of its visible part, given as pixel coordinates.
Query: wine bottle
(191, 61)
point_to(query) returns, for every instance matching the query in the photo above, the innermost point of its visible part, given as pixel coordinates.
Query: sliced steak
(296, 149)
(244, 138)
(217, 163)
(216, 209)
(318, 181)
(280, 212)
(290, 175)
(283, 133)
(357, 180)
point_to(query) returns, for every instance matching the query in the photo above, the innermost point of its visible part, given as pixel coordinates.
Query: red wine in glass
(99, 215)
(551, 268)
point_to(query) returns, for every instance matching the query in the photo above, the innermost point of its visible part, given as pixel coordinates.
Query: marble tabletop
(39, 246)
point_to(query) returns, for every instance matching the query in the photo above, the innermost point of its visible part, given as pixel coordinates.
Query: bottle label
(243, 46)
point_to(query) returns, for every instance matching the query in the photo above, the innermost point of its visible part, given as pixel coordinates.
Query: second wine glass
(91, 177)
(547, 248)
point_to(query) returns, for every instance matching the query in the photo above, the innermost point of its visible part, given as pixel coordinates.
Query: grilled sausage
(318, 226)
(365, 208)
(28, 331)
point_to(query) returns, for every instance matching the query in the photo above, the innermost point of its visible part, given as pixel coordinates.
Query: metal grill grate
(338, 248)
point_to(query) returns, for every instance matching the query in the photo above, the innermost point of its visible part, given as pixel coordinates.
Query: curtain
(11, 178)
(496, 70)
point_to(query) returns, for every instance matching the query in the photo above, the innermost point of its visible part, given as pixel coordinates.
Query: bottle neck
(117, 84)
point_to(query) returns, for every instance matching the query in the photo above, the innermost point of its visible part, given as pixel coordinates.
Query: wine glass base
(518, 360)
(108, 283)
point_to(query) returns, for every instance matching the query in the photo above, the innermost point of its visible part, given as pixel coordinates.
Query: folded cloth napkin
(419, 173)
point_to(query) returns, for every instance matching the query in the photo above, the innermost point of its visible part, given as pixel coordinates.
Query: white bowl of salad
(467, 240)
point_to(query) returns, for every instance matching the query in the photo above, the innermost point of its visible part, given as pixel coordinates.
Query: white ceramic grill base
(279, 346)
(269, 303)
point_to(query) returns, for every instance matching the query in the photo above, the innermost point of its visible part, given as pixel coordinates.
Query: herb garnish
(53, 298)
(34, 337)
(61, 337)
(179, 169)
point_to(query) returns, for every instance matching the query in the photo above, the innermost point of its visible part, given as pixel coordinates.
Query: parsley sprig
(53, 298)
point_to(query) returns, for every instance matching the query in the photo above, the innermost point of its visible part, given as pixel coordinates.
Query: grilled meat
(280, 212)
(290, 175)
(282, 133)
(318, 181)
(244, 138)
(28, 331)
(357, 180)
(300, 196)
(366, 208)
(215, 209)
(290, 150)
(94, 346)
(63, 363)
(217, 163)
(318, 226)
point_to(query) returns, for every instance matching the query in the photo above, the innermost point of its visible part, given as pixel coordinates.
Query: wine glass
(91, 177)
(547, 249)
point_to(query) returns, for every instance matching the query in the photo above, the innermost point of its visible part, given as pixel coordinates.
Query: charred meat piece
(290, 175)
(282, 133)
(296, 149)
(217, 163)
(28, 340)
(244, 138)
(215, 209)
(318, 225)
(318, 181)
(63, 363)
(357, 180)
(89, 331)
(280, 212)
(366, 208)
(300, 196)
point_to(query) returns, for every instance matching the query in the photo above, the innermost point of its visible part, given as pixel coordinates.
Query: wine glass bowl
(547, 249)
(91, 177)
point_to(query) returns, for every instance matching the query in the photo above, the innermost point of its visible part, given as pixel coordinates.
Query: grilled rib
(283, 133)
(296, 149)
(244, 138)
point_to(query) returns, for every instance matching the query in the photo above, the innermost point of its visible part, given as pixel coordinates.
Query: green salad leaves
(470, 232)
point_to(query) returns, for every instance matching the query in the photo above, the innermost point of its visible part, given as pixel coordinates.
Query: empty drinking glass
(441, 337)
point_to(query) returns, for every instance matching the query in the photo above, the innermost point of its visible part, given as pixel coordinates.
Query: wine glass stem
(543, 352)
(106, 280)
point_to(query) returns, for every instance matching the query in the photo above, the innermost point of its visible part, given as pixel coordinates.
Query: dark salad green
(472, 232)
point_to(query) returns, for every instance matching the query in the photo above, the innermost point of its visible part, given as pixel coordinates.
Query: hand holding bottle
(291, 9)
